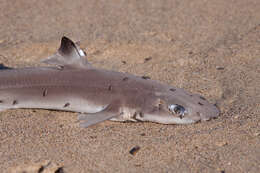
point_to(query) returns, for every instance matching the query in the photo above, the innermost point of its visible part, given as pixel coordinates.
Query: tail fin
(68, 55)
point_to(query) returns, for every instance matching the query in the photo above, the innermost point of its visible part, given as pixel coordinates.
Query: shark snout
(207, 113)
(200, 109)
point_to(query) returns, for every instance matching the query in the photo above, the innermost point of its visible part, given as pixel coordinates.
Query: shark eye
(177, 109)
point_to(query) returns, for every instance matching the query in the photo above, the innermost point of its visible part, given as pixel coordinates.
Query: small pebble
(138, 165)
(219, 68)
(236, 116)
(134, 150)
(59, 170)
(93, 137)
(257, 134)
(221, 144)
(147, 59)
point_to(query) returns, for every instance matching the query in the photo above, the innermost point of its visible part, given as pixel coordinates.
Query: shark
(68, 82)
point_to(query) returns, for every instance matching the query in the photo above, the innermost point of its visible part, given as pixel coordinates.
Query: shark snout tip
(211, 115)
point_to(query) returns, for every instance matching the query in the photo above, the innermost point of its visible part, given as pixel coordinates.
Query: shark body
(72, 84)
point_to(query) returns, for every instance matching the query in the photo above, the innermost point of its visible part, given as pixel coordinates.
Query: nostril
(201, 116)
(200, 104)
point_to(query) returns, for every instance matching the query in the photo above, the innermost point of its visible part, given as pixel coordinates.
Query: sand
(207, 47)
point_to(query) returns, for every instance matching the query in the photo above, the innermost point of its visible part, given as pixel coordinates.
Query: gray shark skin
(72, 84)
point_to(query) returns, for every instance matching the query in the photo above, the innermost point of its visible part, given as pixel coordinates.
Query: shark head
(178, 107)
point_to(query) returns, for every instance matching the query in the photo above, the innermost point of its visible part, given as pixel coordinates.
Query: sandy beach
(207, 47)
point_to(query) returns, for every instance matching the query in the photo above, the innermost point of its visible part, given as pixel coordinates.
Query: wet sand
(206, 47)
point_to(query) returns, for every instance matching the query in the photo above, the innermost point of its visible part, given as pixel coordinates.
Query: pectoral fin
(88, 119)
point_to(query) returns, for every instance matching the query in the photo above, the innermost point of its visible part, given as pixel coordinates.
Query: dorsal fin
(68, 55)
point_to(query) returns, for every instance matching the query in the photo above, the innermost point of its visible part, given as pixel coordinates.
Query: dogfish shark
(70, 83)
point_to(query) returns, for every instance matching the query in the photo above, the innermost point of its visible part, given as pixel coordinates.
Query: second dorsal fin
(68, 55)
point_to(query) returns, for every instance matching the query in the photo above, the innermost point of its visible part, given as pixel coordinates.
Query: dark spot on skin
(172, 89)
(123, 62)
(191, 95)
(15, 102)
(45, 92)
(141, 114)
(134, 116)
(142, 134)
(147, 59)
(125, 78)
(66, 105)
(1, 101)
(110, 87)
(134, 150)
(202, 98)
(160, 106)
(146, 77)
(200, 104)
